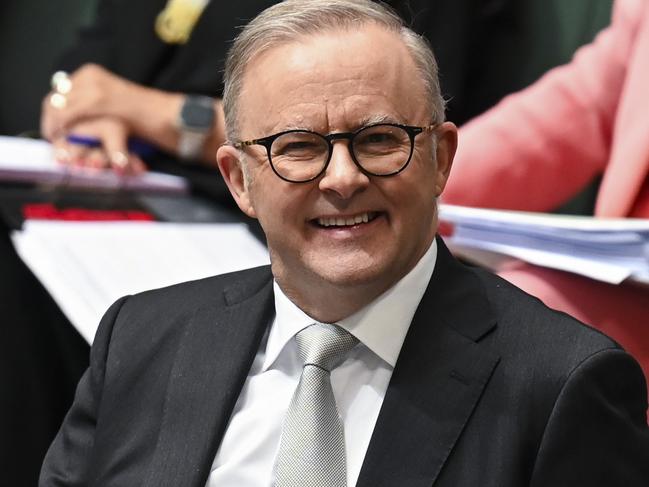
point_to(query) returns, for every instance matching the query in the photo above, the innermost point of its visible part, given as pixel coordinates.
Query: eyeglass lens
(378, 149)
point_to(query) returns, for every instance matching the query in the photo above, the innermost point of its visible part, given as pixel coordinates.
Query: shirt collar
(381, 326)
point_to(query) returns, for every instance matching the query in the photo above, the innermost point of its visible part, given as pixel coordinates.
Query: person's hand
(150, 114)
(92, 91)
(111, 151)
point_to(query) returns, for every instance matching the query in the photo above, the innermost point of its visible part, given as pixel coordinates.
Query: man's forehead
(361, 71)
(330, 39)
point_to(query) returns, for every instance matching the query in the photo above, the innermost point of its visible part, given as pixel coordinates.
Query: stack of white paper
(28, 160)
(609, 250)
(86, 266)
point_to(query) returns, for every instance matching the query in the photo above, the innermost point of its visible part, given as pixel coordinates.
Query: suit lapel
(438, 380)
(210, 368)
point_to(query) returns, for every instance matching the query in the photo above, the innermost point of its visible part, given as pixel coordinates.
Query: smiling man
(365, 355)
(346, 215)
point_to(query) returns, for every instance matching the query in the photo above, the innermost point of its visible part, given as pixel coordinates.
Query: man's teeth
(342, 222)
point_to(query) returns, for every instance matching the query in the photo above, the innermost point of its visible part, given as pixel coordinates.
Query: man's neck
(329, 302)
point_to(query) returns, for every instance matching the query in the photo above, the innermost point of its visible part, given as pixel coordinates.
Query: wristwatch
(194, 124)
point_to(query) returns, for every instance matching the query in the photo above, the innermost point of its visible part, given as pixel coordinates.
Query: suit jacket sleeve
(537, 148)
(596, 434)
(67, 460)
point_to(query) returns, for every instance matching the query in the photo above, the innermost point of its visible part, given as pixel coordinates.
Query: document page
(86, 266)
(29, 160)
(606, 249)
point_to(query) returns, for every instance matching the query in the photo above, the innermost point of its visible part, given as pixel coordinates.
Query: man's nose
(343, 177)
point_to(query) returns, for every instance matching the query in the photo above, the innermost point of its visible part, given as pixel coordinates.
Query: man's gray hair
(291, 20)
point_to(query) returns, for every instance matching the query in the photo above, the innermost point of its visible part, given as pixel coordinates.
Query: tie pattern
(312, 446)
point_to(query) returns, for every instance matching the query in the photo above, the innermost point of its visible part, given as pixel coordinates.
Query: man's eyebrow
(362, 122)
(290, 126)
(374, 119)
(295, 126)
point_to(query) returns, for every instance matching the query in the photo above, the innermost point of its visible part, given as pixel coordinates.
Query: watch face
(197, 113)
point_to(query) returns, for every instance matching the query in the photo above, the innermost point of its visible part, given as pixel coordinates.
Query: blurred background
(525, 39)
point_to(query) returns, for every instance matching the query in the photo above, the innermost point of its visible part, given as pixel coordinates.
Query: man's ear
(446, 146)
(227, 158)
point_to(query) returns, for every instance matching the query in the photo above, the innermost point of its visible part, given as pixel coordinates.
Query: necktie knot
(324, 345)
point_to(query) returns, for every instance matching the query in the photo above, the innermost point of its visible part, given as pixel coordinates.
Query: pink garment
(539, 147)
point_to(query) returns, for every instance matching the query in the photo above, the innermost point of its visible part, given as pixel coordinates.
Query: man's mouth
(346, 221)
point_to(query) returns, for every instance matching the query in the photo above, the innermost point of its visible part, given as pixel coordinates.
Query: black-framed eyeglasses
(300, 156)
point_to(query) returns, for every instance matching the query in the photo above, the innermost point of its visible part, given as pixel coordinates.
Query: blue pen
(135, 145)
(85, 140)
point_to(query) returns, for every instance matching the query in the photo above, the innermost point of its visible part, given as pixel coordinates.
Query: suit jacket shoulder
(492, 388)
(525, 322)
(165, 371)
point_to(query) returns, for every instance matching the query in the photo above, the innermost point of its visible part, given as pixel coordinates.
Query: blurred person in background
(151, 70)
(539, 147)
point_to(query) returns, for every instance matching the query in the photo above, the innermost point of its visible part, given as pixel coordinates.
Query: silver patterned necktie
(312, 446)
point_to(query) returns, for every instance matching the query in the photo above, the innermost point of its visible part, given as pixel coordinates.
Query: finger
(50, 125)
(46, 118)
(97, 159)
(137, 164)
(119, 161)
(60, 152)
(78, 154)
(67, 110)
(71, 154)
(61, 113)
(114, 141)
(88, 98)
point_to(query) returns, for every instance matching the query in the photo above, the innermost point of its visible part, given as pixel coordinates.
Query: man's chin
(355, 274)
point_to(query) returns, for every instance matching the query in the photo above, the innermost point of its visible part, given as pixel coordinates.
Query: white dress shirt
(247, 453)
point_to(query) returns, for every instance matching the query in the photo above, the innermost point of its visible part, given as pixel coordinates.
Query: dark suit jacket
(491, 389)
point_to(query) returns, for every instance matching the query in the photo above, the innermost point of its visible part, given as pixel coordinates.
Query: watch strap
(195, 122)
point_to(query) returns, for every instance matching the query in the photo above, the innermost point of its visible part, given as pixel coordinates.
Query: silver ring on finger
(58, 101)
(61, 82)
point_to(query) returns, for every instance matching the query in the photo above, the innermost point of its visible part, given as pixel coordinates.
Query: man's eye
(378, 138)
(377, 141)
(297, 147)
